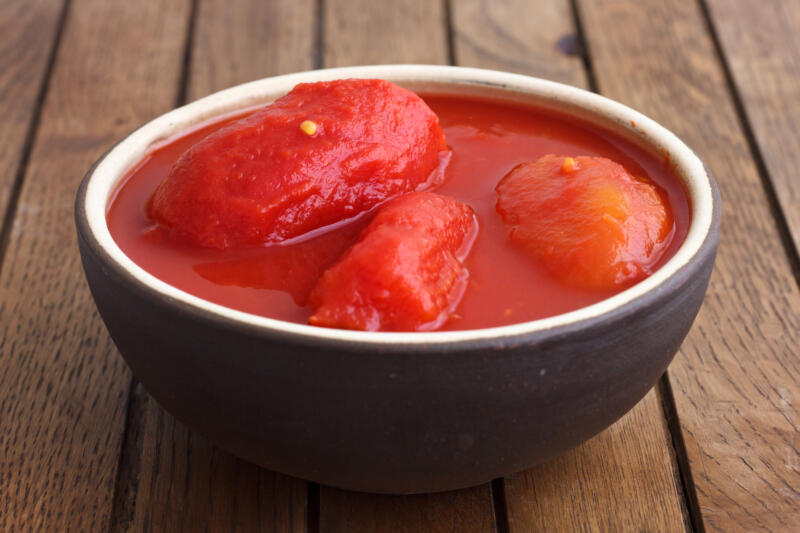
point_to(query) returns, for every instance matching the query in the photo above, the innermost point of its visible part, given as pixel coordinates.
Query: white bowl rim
(100, 183)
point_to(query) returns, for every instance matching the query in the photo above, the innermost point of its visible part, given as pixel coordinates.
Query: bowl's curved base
(394, 421)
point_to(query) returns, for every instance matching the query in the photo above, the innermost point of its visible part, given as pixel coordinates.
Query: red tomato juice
(487, 140)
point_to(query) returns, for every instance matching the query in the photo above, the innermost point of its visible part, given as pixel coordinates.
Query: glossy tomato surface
(325, 152)
(405, 273)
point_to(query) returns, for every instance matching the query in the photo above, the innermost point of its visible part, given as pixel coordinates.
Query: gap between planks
(782, 223)
(693, 520)
(186, 64)
(33, 126)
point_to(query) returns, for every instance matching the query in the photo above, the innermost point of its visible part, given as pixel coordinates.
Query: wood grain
(736, 380)
(624, 479)
(365, 32)
(236, 42)
(408, 31)
(63, 387)
(468, 510)
(761, 42)
(175, 480)
(29, 30)
(534, 38)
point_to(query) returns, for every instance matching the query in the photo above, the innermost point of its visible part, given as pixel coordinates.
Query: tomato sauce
(487, 140)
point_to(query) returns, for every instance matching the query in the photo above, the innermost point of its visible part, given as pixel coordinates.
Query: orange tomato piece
(591, 223)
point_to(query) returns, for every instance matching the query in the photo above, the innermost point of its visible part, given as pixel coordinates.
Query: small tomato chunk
(591, 223)
(405, 273)
(323, 153)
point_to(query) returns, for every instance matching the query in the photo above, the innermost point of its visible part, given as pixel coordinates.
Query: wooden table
(713, 447)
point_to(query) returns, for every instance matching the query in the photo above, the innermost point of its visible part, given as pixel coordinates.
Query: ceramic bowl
(398, 412)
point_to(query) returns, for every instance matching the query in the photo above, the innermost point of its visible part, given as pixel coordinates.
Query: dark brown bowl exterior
(394, 418)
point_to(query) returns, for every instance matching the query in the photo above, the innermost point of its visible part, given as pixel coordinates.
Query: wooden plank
(736, 380)
(365, 32)
(29, 32)
(534, 38)
(63, 388)
(181, 481)
(761, 42)
(408, 31)
(625, 478)
(241, 41)
(453, 512)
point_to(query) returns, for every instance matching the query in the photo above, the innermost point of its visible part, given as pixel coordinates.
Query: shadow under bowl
(398, 412)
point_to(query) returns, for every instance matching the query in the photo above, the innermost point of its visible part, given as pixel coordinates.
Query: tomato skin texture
(266, 178)
(405, 273)
(591, 223)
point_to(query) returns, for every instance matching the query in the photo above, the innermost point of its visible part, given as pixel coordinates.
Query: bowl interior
(101, 182)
